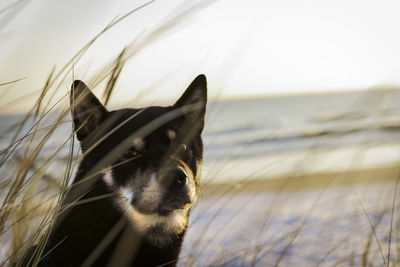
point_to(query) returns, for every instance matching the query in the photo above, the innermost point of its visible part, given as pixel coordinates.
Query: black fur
(107, 139)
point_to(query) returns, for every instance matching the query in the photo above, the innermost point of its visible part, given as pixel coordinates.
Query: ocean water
(271, 137)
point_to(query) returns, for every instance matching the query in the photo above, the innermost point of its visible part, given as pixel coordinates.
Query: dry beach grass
(325, 219)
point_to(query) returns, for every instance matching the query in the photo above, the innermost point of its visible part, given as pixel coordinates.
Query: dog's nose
(174, 178)
(180, 177)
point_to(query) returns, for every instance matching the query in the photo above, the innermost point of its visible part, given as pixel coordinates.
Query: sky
(246, 48)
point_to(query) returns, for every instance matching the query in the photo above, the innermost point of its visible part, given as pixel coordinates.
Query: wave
(357, 131)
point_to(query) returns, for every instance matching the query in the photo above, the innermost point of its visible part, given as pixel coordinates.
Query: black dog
(130, 200)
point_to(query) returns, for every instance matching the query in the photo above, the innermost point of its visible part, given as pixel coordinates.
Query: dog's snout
(174, 178)
(180, 177)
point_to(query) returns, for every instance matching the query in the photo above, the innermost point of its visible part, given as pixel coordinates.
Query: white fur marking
(108, 179)
(171, 134)
(173, 223)
(138, 143)
(127, 194)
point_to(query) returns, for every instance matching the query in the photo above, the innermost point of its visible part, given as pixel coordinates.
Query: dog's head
(150, 157)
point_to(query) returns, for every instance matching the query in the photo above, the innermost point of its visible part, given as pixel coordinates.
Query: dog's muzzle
(170, 189)
(173, 178)
(177, 192)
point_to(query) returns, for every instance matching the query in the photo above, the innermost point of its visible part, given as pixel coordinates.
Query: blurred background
(302, 149)
(257, 48)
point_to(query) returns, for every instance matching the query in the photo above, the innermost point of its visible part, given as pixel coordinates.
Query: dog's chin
(159, 227)
(164, 210)
(157, 236)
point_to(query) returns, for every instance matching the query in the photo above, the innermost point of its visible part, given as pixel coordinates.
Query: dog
(138, 179)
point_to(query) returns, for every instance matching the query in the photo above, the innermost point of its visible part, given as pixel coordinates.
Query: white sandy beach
(331, 219)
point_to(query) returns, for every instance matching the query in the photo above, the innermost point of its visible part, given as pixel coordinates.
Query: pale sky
(254, 47)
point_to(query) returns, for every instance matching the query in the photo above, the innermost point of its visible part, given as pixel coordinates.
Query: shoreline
(303, 182)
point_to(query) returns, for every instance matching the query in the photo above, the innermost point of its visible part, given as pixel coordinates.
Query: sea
(271, 137)
(261, 138)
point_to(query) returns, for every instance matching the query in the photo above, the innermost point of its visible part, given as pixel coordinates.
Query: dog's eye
(182, 147)
(184, 150)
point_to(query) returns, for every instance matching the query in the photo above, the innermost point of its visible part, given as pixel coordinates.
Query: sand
(326, 219)
(296, 182)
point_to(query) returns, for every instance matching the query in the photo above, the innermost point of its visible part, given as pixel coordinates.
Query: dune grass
(33, 183)
(30, 188)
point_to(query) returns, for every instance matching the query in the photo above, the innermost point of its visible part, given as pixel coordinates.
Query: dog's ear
(193, 102)
(87, 111)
